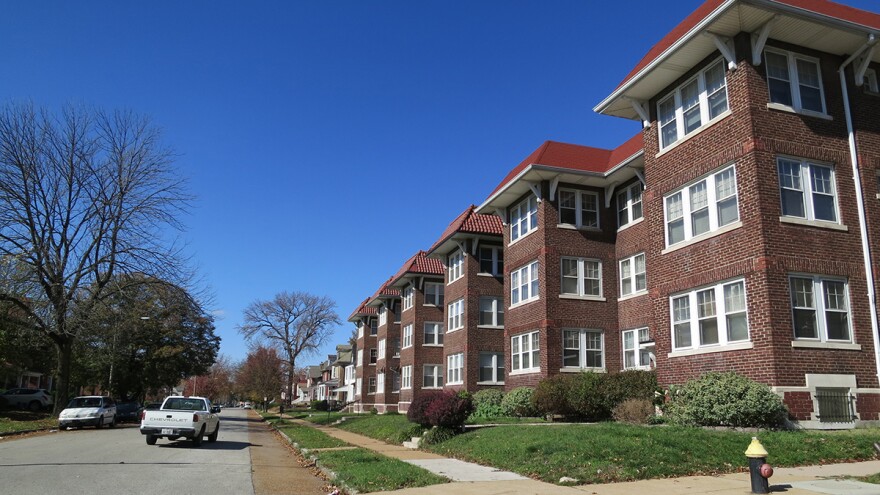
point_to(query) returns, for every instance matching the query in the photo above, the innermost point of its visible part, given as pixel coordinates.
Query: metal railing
(835, 406)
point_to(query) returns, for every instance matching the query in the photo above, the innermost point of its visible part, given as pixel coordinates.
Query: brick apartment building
(385, 356)
(364, 318)
(737, 231)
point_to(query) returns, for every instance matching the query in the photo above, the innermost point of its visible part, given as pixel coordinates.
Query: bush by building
(725, 399)
(518, 403)
(487, 404)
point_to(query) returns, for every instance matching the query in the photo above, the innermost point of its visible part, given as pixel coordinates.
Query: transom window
(433, 333)
(455, 368)
(491, 367)
(407, 297)
(637, 348)
(702, 207)
(491, 312)
(525, 352)
(492, 260)
(406, 377)
(633, 277)
(455, 266)
(821, 308)
(524, 284)
(433, 294)
(578, 208)
(581, 277)
(582, 349)
(433, 376)
(524, 218)
(629, 204)
(713, 316)
(693, 104)
(408, 336)
(794, 81)
(455, 313)
(807, 190)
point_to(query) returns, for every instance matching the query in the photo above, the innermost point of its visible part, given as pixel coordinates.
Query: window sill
(396, 356)
(822, 224)
(582, 298)
(454, 383)
(432, 345)
(643, 368)
(523, 303)
(568, 226)
(454, 280)
(572, 369)
(702, 237)
(453, 330)
(723, 115)
(807, 344)
(432, 388)
(633, 295)
(807, 113)
(529, 371)
(372, 364)
(491, 327)
(709, 350)
(491, 383)
(489, 275)
(634, 222)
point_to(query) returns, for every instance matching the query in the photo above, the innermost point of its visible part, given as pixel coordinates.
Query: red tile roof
(385, 290)
(471, 222)
(418, 263)
(362, 310)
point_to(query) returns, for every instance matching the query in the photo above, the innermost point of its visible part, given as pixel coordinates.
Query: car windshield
(85, 402)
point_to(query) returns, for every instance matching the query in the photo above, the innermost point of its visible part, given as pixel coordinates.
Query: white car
(91, 410)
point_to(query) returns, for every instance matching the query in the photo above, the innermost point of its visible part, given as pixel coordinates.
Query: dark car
(128, 411)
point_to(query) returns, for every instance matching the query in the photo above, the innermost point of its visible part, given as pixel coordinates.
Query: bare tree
(84, 195)
(296, 324)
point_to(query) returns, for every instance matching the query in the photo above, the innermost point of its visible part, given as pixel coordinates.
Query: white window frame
(373, 361)
(358, 387)
(712, 207)
(820, 307)
(496, 260)
(583, 340)
(627, 199)
(496, 311)
(380, 383)
(808, 190)
(497, 359)
(383, 317)
(408, 336)
(395, 382)
(360, 329)
(523, 218)
(580, 290)
(371, 384)
(374, 326)
(640, 349)
(407, 297)
(435, 299)
(455, 369)
(455, 315)
(406, 377)
(454, 266)
(692, 317)
(360, 357)
(396, 348)
(437, 332)
(525, 279)
(381, 350)
(627, 273)
(702, 106)
(525, 345)
(794, 81)
(871, 83)
(579, 208)
(436, 375)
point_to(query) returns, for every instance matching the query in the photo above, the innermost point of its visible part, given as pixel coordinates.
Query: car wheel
(151, 439)
(197, 440)
(113, 422)
(35, 405)
(213, 436)
(100, 423)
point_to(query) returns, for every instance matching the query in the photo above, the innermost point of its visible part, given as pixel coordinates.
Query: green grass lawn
(14, 421)
(367, 471)
(309, 438)
(874, 478)
(391, 428)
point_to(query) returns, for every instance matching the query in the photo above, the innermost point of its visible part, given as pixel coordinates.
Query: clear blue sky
(328, 141)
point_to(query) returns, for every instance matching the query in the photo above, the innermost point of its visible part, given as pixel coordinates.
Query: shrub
(552, 395)
(437, 435)
(487, 403)
(418, 408)
(637, 411)
(320, 405)
(629, 384)
(726, 399)
(407, 434)
(373, 410)
(518, 403)
(586, 399)
(449, 409)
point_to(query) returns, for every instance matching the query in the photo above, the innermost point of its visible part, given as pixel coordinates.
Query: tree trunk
(288, 399)
(64, 346)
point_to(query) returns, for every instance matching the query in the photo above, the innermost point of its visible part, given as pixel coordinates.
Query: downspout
(860, 201)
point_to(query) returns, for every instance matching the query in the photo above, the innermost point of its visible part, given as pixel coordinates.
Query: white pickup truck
(182, 417)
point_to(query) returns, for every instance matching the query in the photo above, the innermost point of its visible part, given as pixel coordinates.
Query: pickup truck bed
(181, 417)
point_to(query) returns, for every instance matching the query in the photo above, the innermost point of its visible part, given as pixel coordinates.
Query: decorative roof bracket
(863, 66)
(553, 185)
(536, 190)
(641, 108)
(609, 191)
(462, 247)
(501, 212)
(641, 177)
(475, 243)
(760, 39)
(724, 46)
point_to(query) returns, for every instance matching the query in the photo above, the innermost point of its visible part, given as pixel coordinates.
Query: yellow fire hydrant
(759, 470)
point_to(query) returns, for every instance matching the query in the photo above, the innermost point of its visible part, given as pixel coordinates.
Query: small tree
(260, 375)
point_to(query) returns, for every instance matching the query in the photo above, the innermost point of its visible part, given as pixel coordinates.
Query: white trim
(702, 237)
(697, 132)
(822, 224)
(808, 344)
(709, 350)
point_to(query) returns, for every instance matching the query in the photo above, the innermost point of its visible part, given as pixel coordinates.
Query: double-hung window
(360, 357)
(491, 312)
(581, 277)
(374, 326)
(525, 352)
(711, 316)
(381, 349)
(395, 382)
(807, 190)
(702, 207)
(371, 385)
(629, 205)
(455, 312)
(374, 356)
(360, 329)
(524, 284)
(637, 347)
(821, 308)
(523, 218)
(395, 347)
(380, 382)
(433, 333)
(383, 316)
(582, 349)
(455, 266)
(406, 377)
(491, 367)
(432, 376)
(407, 297)
(692, 105)
(408, 336)
(455, 368)
(633, 275)
(795, 81)
(492, 260)
(433, 294)
(578, 208)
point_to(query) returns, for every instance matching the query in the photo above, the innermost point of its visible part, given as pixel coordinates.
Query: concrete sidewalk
(473, 479)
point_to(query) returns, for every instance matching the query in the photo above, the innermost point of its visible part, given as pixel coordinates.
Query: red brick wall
(418, 355)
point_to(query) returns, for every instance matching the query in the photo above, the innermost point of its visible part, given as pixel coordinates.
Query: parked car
(30, 398)
(90, 410)
(128, 411)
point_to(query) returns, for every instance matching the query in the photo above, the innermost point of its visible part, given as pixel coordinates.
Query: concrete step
(413, 444)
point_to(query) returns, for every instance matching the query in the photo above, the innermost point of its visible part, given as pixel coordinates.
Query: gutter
(860, 200)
